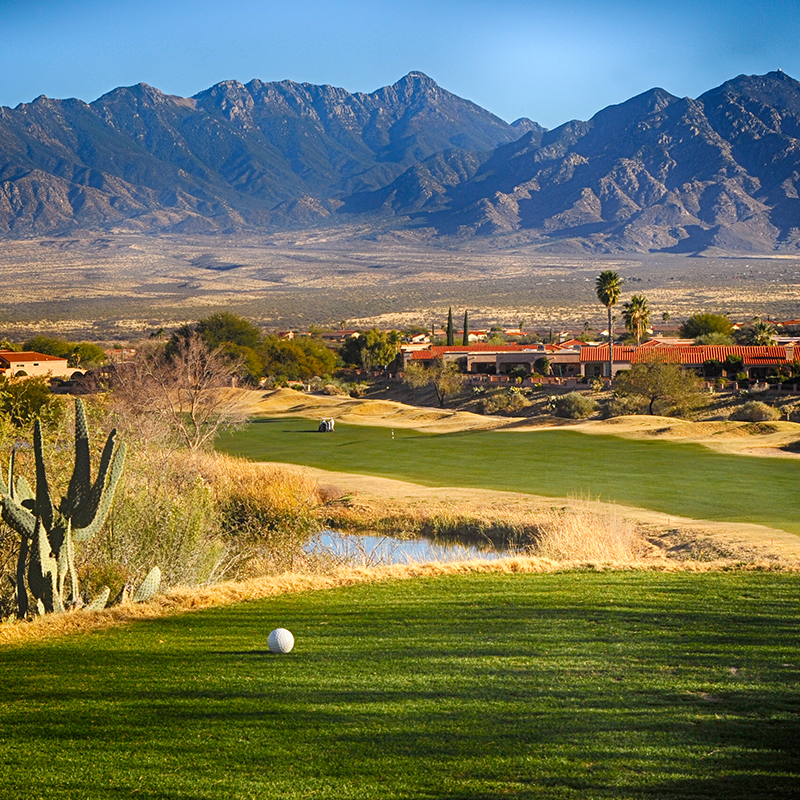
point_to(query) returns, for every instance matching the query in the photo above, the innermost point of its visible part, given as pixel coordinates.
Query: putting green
(675, 478)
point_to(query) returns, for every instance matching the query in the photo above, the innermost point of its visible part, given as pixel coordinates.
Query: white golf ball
(280, 641)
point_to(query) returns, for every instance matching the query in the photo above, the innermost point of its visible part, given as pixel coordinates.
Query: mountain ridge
(653, 173)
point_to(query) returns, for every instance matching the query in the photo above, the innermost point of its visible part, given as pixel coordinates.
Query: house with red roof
(757, 362)
(505, 359)
(13, 364)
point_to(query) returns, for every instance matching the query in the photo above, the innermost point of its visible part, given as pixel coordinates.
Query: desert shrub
(622, 406)
(22, 400)
(358, 389)
(755, 411)
(164, 514)
(504, 400)
(574, 406)
(334, 390)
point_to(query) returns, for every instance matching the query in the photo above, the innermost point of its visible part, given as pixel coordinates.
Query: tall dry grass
(266, 512)
(586, 532)
(581, 531)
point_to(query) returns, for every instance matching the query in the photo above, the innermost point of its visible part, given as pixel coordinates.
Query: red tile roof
(687, 354)
(482, 347)
(28, 355)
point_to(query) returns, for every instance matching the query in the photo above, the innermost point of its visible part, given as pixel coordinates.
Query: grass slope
(682, 479)
(572, 685)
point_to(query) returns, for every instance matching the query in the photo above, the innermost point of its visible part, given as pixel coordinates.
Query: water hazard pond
(376, 550)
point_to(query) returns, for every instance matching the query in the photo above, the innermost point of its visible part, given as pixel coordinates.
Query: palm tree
(636, 316)
(759, 332)
(609, 287)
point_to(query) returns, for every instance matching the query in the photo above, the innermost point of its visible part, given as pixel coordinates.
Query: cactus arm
(148, 587)
(23, 493)
(86, 526)
(19, 518)
(43, 571)
(80, 483)
(22, 591)
(99, 602)
(8, 488)
(83, 514)
(66, 564)
(44, 503)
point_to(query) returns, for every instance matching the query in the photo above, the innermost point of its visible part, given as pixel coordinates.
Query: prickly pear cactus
(48, 534)
(148, 587)
(99, 602)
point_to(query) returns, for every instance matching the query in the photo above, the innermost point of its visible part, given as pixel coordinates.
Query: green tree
(445, 378)
(714, 339)
(86, 354)
(226, 327)
(465, 337)
(78, 354)
(704, 323)
(232, 334)
(636, 313)
(23, 400)
(734, 364)
(666, 387)
(373, 348)
(608, 287)
(451, 336)
(298, 359)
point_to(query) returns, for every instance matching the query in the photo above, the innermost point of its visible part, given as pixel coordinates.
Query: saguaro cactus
(48, 534)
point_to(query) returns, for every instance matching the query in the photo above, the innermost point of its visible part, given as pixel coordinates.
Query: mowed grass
(572, 685)
(681, 479)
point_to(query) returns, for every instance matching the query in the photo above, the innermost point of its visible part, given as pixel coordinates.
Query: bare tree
(185, 393)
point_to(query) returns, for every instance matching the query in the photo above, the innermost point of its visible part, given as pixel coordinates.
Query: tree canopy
(706, 323)
(372, 349)
(665, 387)
(608, 287)
(78, 354)
(445, 378)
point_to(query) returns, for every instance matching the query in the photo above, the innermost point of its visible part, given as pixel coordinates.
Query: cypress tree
(450, 333)
(465, 339)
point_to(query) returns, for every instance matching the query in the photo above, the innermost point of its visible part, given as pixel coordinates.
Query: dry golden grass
(587, 533)
(280, 488)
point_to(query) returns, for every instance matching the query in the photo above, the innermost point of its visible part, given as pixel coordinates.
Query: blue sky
(545, 60)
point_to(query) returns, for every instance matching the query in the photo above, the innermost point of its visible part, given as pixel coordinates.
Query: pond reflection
(378, 550)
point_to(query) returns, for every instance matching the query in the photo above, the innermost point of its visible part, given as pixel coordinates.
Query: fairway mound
(773, 439)
(377, 408)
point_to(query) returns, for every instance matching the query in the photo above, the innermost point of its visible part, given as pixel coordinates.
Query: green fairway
(575, 685)
(682, 479)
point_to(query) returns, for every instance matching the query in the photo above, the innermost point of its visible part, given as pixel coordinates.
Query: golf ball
(280, 641)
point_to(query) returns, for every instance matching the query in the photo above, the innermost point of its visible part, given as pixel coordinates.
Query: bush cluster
(755, 411)
(574, 406)
(504, 400)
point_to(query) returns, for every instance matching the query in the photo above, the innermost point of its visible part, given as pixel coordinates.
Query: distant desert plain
(124, 286)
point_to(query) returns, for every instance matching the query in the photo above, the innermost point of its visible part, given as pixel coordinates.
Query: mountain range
(655, 173)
